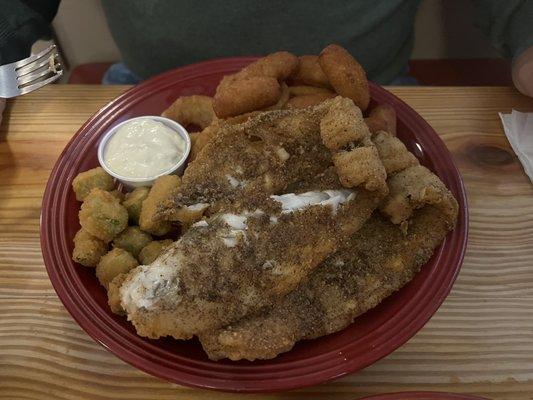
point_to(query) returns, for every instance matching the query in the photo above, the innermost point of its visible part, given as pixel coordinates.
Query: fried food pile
(280, 81)
(269, 218)
(295, 214)
(117, 230)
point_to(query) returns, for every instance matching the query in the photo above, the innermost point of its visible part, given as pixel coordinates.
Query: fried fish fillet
(271, 151)
(241, 261)
(242, 162)
(266, 230)
(378, 259)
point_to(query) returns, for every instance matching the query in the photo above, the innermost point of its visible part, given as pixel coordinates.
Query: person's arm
(22, 23)
(509, 26)
(523, 72)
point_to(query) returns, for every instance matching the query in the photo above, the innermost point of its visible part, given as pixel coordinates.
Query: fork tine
(35, 86)
(32, 67)
(28, 78)
(26, 61)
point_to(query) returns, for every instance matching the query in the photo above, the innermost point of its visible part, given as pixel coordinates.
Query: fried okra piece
(115, 262)
(133, 202)
(102, 215)
(152, 250)
(132, 239)
(163, 189)
(118, 194)
(88, 180)
(87, 249)
(113, 294)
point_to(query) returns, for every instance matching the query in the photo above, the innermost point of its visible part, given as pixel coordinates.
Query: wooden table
(480, 341)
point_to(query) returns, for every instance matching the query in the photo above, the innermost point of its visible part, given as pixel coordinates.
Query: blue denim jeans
(119, 74)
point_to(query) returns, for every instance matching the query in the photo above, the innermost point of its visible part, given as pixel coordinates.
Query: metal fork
(30, 74)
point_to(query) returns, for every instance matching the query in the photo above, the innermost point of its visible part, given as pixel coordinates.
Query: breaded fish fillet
(241, 261)
(252, 160)
(270, 152)
(378, 259)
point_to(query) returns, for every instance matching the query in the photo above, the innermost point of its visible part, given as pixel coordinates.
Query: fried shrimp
(303, 90)
(310, 73)
(307, 100)
(283, 99)
(280, 65)
(255, 87)
(196, 109)
(238, 96)
(345, 74)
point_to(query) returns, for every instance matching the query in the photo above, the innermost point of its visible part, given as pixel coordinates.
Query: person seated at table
(157, 35)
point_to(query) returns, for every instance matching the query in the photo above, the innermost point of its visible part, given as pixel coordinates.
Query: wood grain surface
(479, 342)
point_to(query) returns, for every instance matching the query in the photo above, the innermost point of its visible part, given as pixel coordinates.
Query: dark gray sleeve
(22, 23)
(507, 23)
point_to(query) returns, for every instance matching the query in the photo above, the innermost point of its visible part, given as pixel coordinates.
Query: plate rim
(225, 381)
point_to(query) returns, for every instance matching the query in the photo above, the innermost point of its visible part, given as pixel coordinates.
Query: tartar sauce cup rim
(175, 126)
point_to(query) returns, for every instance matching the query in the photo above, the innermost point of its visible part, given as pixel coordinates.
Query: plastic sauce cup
(177, 169)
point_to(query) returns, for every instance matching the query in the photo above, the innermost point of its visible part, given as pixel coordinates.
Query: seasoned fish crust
(217, 273)
(376, 261)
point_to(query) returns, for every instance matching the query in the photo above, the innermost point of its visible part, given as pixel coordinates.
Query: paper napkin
(518, 127)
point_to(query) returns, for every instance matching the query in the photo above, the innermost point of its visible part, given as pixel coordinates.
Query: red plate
(423, 396)
(371, 337)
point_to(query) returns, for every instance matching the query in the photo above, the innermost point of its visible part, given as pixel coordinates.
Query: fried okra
(163, 189)
(102, 215)
(87, 249)
(133, 202)
(132, 239)
(118, 194)
(152, 250)
(88, 180)
(117, 261)
(113, 294)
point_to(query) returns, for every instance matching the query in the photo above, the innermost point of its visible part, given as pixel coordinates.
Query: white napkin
(518, 127)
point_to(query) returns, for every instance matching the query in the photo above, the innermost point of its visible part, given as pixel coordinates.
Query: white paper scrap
(518, 127)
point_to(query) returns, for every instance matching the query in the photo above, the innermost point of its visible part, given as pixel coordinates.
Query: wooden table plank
(472, 346)
(480, 341)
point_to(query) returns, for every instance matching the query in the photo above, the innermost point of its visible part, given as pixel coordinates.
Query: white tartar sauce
(143, 149)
